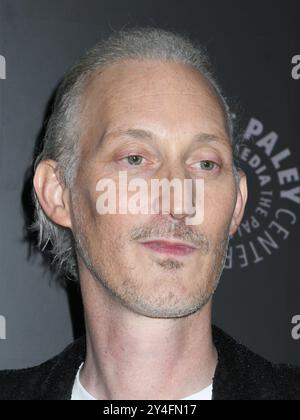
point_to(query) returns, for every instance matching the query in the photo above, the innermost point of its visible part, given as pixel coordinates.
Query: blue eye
(135, 160)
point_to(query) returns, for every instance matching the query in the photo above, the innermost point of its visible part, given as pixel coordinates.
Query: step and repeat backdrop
(255, 48)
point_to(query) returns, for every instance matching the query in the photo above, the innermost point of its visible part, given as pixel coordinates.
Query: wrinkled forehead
(165, 93)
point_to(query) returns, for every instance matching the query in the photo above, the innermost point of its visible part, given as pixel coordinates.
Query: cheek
(110, 242)
(113, 227)
(219, 208)
(111, 232)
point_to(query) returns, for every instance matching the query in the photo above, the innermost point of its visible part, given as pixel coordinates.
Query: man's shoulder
(50, 380)
(288, 378)
(276, 381)
(254, 377)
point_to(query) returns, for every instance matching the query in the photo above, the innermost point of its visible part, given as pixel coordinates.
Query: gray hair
(61, 141)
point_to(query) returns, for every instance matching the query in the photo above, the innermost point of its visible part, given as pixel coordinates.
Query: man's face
(156, 121)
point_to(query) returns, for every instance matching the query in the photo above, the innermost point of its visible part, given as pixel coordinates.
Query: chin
(167, 312)
(172, 302)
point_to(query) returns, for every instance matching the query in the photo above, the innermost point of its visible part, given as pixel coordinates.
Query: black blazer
(240, 375)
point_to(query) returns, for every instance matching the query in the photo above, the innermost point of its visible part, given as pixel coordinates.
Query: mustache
(170, 230)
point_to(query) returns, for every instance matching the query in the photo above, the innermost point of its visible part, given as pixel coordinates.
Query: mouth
(174, 249)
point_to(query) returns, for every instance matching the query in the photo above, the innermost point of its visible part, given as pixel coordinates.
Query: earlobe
(51, 194)
(241, 202)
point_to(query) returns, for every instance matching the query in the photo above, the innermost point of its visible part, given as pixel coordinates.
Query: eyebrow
(147, 135)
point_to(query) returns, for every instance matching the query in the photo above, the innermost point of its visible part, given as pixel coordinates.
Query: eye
(134, 160)
(206, 165)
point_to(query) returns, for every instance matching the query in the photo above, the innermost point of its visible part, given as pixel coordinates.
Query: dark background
(251, 44)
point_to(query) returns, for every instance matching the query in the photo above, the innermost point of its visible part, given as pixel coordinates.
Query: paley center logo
(274, 198)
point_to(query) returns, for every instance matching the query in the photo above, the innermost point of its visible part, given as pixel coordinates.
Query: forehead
(167, 95)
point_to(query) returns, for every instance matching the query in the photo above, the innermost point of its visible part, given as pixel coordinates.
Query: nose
(180, 194)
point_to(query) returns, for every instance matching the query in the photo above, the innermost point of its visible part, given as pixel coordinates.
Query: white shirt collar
(79, 393)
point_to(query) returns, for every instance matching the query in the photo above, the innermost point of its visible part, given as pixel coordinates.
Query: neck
(132, 357)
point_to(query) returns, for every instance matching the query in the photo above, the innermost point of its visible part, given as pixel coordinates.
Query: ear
(51, 193)
(241, 202)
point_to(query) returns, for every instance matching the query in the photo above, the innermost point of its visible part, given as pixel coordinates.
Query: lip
(177, 249)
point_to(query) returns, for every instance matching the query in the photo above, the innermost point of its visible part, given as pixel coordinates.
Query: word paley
(268, 145)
